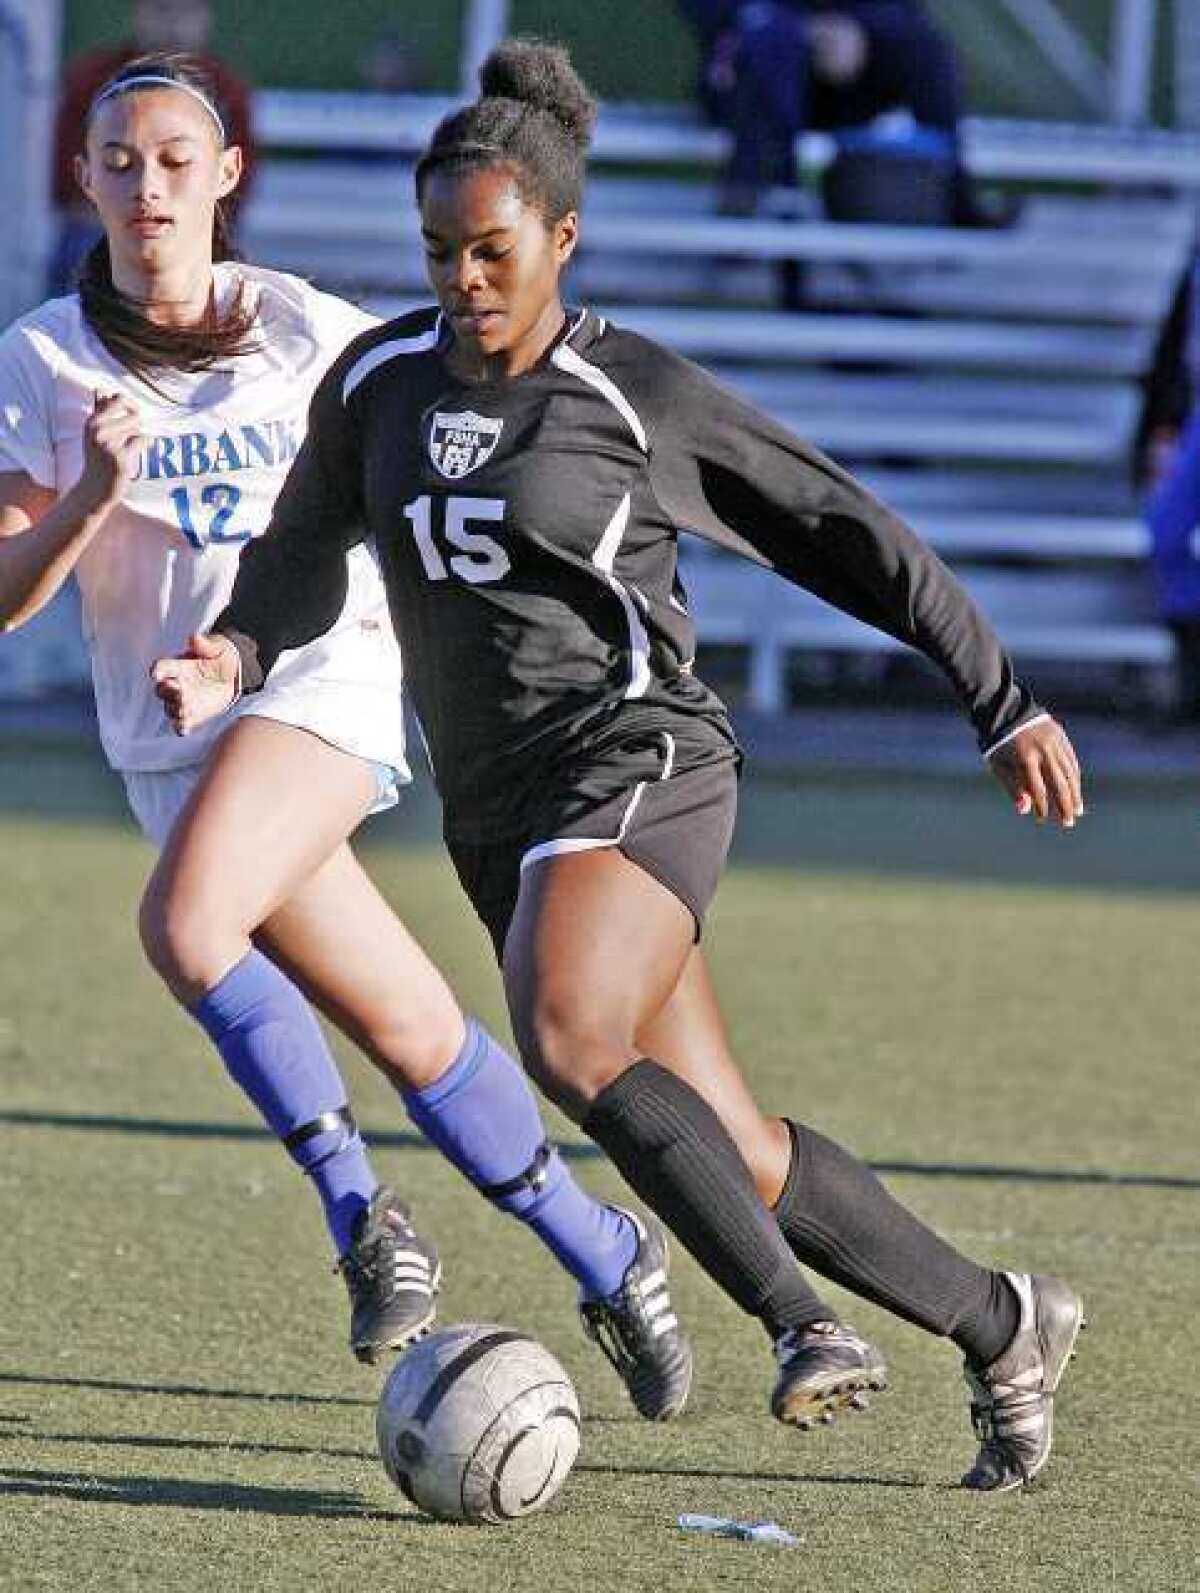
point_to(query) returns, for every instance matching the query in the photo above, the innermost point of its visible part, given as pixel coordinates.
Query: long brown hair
(143, 347)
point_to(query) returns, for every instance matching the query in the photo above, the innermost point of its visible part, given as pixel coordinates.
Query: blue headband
(124, 85)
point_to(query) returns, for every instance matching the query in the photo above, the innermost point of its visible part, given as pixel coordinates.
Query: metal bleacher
(984, 383)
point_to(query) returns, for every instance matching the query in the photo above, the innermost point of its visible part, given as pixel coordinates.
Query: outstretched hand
(1039, 770)
(198, 685)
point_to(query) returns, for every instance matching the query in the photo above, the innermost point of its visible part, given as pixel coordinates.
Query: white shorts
(157, 797)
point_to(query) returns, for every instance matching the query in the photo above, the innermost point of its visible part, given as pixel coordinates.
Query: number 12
(222, 499)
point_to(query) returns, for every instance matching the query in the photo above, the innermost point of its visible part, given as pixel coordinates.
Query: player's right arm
(43, 536)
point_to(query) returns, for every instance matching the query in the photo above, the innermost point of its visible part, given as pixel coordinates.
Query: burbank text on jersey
(175, 456)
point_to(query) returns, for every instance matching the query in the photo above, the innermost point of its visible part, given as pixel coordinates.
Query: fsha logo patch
(461, 443)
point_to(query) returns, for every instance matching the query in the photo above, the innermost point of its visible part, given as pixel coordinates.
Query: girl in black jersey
(523, 473)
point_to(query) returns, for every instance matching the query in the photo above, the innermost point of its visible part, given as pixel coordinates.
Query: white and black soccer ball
(478, 1423)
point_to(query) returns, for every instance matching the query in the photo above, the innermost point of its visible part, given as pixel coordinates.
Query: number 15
(481, 559)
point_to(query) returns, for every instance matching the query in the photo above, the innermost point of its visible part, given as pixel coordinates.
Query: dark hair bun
(540, 75)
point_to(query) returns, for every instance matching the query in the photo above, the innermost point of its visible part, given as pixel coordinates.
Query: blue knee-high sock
(482, 1116)
(273, 1048)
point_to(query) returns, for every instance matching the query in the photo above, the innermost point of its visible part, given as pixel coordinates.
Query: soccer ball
(478, 1423)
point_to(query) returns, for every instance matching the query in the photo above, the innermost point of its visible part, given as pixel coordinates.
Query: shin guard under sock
(482, 1116)
(274, 1050)
(841, 1221)
(670, 1146)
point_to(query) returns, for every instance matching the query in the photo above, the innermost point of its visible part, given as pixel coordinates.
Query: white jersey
(216, 452)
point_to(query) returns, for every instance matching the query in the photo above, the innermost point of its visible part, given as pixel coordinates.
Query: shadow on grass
(182, 1494)
(105, 1385)
(219, 1446)
(406, 1139)
(1039, 1175)
(710, 1475)
(81, 1486)
(169, 1128)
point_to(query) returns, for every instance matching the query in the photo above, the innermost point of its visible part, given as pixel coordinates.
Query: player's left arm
(292, 582)
(724, 470)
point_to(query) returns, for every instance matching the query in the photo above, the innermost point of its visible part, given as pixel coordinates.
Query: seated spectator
(772, 68)
(154, 25)
(1173, 515)
(1172, 384)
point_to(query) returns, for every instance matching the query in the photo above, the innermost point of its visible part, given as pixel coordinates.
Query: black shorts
(676, 823)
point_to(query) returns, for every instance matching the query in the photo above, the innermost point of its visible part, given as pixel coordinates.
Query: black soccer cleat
(1012, 1400)
(638, 1331)
(392, 1275)
(823, 1368)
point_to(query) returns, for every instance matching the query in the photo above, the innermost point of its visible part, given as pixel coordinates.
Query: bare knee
(184, 942)
(571, 1052)
(412, 1044)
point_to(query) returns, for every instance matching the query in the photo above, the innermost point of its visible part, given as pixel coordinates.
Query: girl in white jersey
(146, 425)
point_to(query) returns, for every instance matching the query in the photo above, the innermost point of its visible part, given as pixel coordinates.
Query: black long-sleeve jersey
(526, 530)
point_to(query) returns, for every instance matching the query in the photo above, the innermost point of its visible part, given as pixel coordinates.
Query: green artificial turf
(1002, 1020)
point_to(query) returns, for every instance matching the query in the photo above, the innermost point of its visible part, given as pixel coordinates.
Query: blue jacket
(712, 16)
(1173, 516)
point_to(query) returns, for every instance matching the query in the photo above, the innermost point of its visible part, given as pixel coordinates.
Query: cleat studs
(859, 1402)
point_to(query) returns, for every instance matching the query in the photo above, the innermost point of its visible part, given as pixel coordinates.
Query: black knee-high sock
(671, 1147)
(840, 1220)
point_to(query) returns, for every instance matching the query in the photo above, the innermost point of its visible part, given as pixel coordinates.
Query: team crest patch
(461, 443)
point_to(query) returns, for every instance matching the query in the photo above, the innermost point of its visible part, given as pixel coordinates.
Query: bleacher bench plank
(334, 179)
(1062, 617)
(755, 238)
(1060, 492)
(364, 266)
(673, 135)
(963, 537)
(875, 417)
(751, 335)
(762, 335)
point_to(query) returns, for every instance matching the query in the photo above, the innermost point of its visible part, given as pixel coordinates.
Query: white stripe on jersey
(639, 640)
(382, 352)
(669, 766)
(565, 357)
